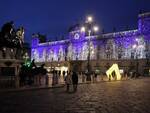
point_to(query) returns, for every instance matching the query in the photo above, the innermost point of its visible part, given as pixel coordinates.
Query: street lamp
(89, 19)
(95, 28)
(89, 28)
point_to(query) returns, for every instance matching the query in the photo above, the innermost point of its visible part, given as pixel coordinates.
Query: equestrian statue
(12, 38)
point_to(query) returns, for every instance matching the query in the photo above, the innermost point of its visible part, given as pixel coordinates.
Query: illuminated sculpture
(113, 68)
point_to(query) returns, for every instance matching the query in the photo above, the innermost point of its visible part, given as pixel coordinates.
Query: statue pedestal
(9, 73)
(9, 68)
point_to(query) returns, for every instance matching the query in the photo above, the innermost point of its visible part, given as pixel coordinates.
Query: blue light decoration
(117, 45)
(144, 23)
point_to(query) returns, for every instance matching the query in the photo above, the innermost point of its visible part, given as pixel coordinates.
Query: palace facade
(129, 49)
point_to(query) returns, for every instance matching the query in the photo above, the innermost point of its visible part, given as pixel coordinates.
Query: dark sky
(53, 17)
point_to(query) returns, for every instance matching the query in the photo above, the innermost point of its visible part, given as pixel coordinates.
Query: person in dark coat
(74, 81)
(68, 81)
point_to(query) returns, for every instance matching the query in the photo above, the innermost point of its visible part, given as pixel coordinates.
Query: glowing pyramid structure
(113, 68)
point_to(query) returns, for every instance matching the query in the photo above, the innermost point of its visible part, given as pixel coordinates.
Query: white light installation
(113, 68)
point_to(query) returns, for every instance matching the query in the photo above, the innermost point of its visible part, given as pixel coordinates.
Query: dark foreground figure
(75, 81)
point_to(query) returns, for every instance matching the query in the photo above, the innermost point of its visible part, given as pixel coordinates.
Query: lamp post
(89, 28)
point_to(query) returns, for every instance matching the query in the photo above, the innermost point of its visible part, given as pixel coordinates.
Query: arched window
(70, 52)
(61, 54)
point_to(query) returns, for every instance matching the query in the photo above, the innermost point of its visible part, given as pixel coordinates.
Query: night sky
(54, 17)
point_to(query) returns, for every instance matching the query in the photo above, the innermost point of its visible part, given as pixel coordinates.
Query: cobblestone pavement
(131, 96)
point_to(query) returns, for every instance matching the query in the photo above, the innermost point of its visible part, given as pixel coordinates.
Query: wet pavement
(128, 96)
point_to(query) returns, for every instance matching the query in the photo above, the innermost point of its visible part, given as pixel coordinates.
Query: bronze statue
(7, 33)
(20, 36)
(9, 37)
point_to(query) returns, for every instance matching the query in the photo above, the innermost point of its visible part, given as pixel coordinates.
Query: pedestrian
(68, 81)
(64, 75)
(125, 75)
(53, 78)
(74, 81)
(95, 77)
(56, 77)
(83, 77)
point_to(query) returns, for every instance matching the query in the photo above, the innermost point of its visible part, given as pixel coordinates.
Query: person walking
(83, 77)
(74, 81)
(68, 81)
(95, 77)
(53, 78)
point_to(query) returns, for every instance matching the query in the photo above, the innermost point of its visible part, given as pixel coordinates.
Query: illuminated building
(105, 50)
